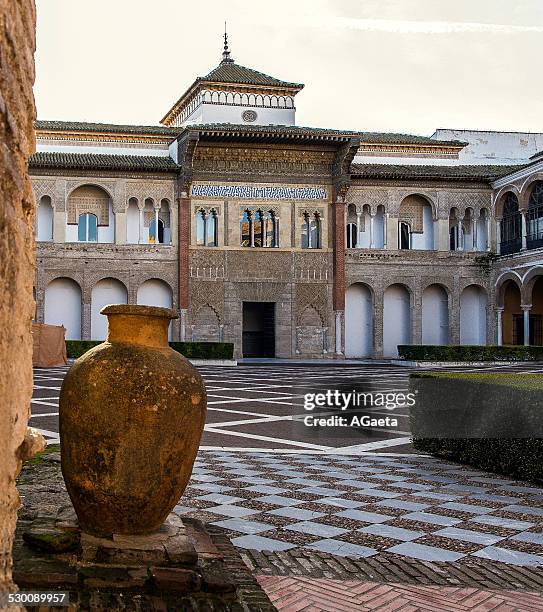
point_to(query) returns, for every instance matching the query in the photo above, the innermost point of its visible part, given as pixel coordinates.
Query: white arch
(106, 291)
(435, 315)
(44, 220)
(473, 301)
(358, 321)
(63, 306)
(396, 319)
(155, 292)
(132, 222)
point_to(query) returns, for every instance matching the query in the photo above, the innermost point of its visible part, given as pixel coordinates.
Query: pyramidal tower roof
(232, 76)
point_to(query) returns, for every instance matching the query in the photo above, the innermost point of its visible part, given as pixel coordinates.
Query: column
(251, 230)
(498, 236)
(358, 229)
(140, 239)
(474, 234)
(524, 230)
(526, 312)
(183, 236)
(372, 244)
(338, 215)
(339, 347)
(309, 237)
(156, 226)
(488, 232)
(443, 239)
(392, 233)
(385, 226)
(460, 245)
(499, 329)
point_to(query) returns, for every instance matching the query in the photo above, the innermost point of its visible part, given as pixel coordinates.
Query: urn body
(132, 412)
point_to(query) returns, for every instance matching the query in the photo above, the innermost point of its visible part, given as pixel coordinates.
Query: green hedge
(454, 410)
(193, 350)
(422, 352)
(76, 348)
(518, 457)
(204, 350)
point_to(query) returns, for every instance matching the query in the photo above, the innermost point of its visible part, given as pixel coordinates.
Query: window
(259, 229)
(87, 228)
(200, 228)
(535, 217)
(351, 236)
(511, 226)
(405, 236)
(153, 238)
(211, 229)
(311, 231)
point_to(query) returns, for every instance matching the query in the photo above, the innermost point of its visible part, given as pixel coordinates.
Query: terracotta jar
(132, 412)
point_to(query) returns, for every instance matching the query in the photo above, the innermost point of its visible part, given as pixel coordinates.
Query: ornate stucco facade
(287, 241)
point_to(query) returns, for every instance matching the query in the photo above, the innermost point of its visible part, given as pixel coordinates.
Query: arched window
(351, 236)
(245, 229)
(258, 227)
(201, 228)
(535, 217)
(311, 231)
(153, 237)
(87, 228)
(405, 236)
(211, 229)
(511, 226)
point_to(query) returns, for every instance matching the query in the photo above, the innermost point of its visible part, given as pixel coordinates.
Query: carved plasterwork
(43, 187)
(311, 295)
(264, 264)
(412, 212)
(260, 292)
(255, 161)
(465, 199)
(155, 190)
(88, 199)
(207, 293)
(372, 198)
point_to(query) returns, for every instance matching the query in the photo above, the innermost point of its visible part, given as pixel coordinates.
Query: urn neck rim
(139, 310)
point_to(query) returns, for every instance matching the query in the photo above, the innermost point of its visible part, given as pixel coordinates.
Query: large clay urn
(132, 412)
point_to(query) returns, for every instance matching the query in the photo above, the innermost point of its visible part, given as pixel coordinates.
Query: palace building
(289, 241)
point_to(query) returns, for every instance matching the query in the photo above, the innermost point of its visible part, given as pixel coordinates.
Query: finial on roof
(226, 53)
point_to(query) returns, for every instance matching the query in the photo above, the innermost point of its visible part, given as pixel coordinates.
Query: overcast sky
(374, 65)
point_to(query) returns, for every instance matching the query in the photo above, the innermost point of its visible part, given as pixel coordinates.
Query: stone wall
(17, 44)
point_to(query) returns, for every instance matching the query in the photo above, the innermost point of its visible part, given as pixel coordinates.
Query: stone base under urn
(185, 566)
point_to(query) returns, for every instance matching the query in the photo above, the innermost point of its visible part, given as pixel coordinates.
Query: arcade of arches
(398, 318)
(520, 323)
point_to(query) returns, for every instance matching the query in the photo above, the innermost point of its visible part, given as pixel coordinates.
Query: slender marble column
(526, 313)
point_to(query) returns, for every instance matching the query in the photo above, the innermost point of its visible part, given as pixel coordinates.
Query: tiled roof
(95, 161)
(537, 155)
(365, 137)
(453, 173)
(83, 126)
(230, 72)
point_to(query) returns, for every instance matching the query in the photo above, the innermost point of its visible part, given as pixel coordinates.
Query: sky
(371, 65)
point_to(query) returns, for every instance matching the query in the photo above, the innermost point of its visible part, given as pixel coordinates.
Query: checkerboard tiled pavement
(413, 506)
(274, 488)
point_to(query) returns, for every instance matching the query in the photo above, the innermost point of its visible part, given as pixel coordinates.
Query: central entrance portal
(258, 329)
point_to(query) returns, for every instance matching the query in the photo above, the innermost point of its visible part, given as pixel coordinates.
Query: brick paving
(290, 594)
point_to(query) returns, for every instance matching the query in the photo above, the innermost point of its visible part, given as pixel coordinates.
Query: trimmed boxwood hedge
(193, 350)
(460, 394)
(423, 352)
(204, 350)
(518, 457)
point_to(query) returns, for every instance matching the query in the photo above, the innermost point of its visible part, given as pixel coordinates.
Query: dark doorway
(258, 329)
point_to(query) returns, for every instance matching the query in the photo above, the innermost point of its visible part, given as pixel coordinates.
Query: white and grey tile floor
(275, 486)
